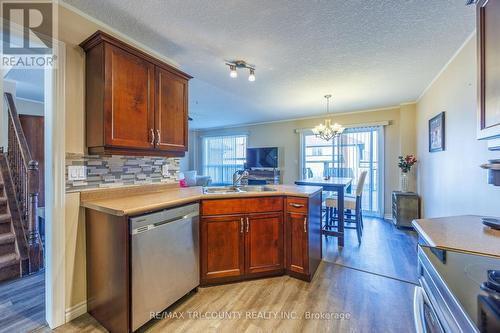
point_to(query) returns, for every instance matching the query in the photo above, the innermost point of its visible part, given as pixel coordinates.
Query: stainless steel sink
(256, 189)
(237, 189)
(220, 190)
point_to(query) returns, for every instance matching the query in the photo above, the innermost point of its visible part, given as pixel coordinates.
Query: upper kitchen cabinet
(171, 117)
(488, 26)
(135, 104)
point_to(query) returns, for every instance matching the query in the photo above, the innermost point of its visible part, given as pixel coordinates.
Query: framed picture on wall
(436, 133)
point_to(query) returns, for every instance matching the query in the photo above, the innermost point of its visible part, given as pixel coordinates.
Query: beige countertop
(133, 201)
(460, 233)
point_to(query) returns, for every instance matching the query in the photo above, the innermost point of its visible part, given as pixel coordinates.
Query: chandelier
(327, 131)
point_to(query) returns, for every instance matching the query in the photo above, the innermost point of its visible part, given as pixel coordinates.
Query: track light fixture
(234, 65)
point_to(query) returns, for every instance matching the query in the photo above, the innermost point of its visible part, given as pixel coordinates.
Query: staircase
(21, 250)
(10, 267)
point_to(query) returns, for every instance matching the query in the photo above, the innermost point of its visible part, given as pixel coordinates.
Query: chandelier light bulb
(251, 77)
(233, 73)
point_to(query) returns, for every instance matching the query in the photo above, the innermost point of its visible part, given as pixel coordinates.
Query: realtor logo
(28, 33)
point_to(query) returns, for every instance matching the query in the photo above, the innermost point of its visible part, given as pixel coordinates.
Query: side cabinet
(303, 236)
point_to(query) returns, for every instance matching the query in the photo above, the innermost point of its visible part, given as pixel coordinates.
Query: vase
(404, 182)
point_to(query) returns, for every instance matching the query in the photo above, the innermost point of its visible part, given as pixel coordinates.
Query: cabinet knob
(305, 224)
(248, 225)
(152, 137)
(241, 225)
(158, 140)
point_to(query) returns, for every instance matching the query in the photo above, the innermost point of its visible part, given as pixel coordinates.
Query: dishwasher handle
(155, 225)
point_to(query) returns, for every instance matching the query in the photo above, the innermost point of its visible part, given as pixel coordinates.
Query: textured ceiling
(367, 53)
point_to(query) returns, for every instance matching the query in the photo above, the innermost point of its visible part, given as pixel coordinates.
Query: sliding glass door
(222, 156)
(355, 151)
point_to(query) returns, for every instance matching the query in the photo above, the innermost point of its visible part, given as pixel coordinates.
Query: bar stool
(352, 203)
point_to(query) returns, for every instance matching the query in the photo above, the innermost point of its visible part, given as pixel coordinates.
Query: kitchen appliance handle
(418, 310)
(152, 226)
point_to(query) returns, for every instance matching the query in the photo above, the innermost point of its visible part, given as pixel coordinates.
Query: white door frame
(55, 154)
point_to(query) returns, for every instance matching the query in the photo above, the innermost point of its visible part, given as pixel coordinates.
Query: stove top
(467, 276)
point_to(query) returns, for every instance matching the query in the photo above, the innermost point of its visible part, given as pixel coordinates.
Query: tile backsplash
(115, 171)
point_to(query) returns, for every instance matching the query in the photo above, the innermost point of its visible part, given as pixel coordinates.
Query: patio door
(356, 150)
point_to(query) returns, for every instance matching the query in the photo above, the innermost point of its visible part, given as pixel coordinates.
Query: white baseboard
(76, 311)
(388, 217)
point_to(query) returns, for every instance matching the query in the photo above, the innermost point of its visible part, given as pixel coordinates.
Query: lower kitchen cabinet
(222, 247)
(237, 246)
(303, 236)
(242, 239)
(264, 243)
(298, 255)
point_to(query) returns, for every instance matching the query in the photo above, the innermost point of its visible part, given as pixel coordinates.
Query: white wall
(282, 135)
(451, 182)
(29, 107)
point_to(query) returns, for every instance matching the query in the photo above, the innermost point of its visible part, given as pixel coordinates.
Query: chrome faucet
(238, 177)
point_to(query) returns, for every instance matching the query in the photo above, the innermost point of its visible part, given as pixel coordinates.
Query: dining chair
(351, 203)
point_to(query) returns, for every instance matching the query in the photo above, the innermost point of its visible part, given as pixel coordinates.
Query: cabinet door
(222, 247)
(128, 100)
(171, 111)
(264, 242)
(297, 249)
(488, 25)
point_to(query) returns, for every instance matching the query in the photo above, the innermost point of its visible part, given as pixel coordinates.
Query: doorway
(356, 150)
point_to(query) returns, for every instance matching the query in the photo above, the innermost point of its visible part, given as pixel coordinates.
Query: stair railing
(26, 178)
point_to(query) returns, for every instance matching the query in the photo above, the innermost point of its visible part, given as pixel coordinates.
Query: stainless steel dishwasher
(165, 264)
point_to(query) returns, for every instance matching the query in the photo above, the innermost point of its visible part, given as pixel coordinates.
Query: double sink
(237, 189)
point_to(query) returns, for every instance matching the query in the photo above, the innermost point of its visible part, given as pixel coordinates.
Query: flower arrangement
(406, 162)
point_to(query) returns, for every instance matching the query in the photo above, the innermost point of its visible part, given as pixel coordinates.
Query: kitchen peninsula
(249, 233)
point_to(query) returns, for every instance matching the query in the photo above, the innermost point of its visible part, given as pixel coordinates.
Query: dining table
(333, 184)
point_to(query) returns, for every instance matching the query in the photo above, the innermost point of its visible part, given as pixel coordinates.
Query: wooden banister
(26, 178)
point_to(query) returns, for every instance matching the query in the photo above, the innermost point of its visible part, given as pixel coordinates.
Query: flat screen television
(262, 157)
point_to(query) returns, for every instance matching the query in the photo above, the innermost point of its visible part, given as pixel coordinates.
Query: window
(223, 156)
(354, 151)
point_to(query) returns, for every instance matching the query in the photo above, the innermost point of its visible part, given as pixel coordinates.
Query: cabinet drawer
(296, 204)
(241, 206)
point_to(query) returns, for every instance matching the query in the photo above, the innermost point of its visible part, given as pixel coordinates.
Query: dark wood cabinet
(223, 245)
(274, 234)
(135, 104)
(264, 243)
(297, 260)
(171, 111)
(488, 26)
(129, 108)
(303, 236)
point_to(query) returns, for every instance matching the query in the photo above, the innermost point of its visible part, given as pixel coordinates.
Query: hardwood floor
(384, 250)
(22, 304)
(373, 295)
(371, 303)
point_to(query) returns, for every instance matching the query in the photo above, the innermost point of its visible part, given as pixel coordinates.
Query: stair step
(7, 237)
(7, 243)
(8, 259)
(5, 222)
(3, 205)
(9, 267)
